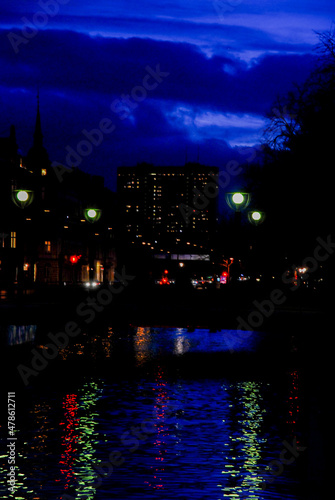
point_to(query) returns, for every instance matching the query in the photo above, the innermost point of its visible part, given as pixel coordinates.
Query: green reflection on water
(246, 441)
(89, 439)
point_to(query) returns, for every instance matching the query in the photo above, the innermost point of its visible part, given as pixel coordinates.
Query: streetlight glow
(22, 196)
(238, 198)
(92, 213)
(256, 216)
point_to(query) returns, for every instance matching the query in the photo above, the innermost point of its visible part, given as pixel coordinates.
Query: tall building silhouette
(168, 205)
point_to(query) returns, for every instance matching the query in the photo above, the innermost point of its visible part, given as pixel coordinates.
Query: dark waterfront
(140, 412)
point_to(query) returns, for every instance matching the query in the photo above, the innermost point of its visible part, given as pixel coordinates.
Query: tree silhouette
(294, 184)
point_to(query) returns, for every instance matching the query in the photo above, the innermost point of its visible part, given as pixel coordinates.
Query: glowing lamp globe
(92, 213)
(256, 216)
(22, 196)
(238, 201)
(238, 198)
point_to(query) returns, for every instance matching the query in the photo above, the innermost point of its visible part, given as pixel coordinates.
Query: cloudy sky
(124, 81)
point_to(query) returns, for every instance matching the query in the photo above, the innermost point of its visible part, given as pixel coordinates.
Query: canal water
(160, 413)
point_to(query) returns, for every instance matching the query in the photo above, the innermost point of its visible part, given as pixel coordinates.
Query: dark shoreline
(169, 306)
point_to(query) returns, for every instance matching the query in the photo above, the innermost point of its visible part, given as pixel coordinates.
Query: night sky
(165, 81)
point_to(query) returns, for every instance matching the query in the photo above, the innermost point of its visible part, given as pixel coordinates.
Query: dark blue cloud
(80, 77)
(108, 67)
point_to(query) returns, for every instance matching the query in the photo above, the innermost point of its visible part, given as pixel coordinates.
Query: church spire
(37, 158)
(38, 136)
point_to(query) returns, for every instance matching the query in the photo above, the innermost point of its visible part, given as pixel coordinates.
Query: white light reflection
(181, 342)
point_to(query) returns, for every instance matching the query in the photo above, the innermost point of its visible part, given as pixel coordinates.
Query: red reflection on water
(293, 403)
(70, 438)
(161, 413)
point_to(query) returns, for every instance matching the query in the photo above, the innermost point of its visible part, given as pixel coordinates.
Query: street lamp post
(256, 217)
(22, 198)
(92, 215)
(237, 201)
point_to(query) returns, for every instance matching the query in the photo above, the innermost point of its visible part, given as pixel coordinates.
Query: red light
(74, 259)
(166, 271)
(224, 273)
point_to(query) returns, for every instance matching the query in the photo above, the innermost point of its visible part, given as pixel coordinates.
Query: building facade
(168, 204)
(46, 236)
(168, 213)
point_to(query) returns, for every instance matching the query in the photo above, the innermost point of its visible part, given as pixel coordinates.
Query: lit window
(47, 246)
(44, 171)
(13, 239)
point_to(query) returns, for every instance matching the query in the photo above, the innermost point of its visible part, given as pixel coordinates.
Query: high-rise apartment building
(174, 207)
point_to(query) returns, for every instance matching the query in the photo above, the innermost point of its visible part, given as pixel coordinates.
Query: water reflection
(161, 413)
(212, 439)
(70, 439)
(181, 342)
(107, 343)
(251, 421)
(293, 404)
(142, 342)
(147, 343)
(82, 439)
(20, 334)
(242, 456)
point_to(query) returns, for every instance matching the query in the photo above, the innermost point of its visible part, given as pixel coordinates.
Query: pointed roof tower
(38, 158)
(38, 136)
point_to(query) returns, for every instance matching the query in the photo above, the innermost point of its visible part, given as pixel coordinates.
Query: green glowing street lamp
(256, 217)
(92, 214)
(238, 200)
(22, 197)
